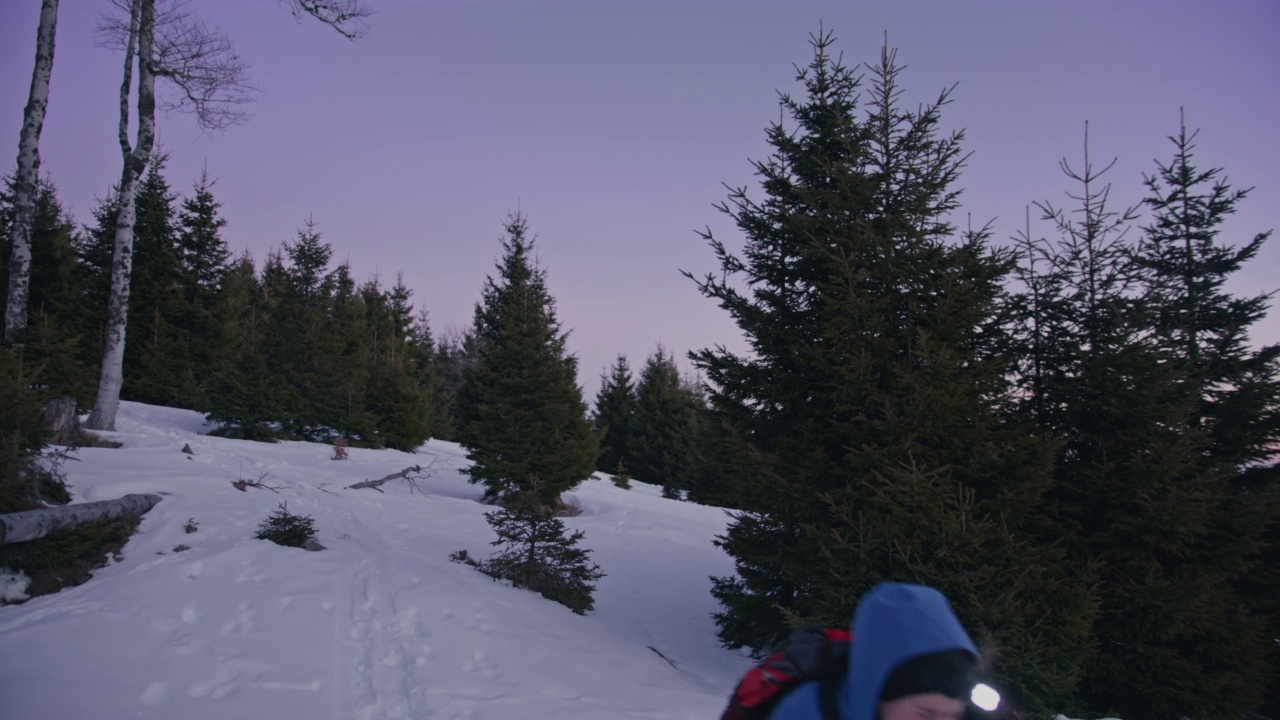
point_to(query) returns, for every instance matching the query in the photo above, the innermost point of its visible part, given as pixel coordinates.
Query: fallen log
(34, 524)
(402, 475)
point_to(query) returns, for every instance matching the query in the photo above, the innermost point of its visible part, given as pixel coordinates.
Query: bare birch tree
(204, 76)
(24, 200)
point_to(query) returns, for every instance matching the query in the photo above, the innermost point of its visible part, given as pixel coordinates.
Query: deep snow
(381, 624)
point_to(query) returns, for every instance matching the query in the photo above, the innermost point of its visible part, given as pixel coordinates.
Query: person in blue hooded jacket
(910, 660)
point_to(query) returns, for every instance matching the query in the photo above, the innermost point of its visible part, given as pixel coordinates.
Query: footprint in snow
(157, 693)
(243, 624)
(249, 573)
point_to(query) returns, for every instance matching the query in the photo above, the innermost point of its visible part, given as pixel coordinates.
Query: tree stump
(60, 420)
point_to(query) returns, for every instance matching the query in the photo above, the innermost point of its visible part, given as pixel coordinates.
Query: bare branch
(345, 16)
(243, 484)
(411, 474)
(202, 72)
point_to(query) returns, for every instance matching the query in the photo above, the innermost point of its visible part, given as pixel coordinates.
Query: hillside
(381, 624)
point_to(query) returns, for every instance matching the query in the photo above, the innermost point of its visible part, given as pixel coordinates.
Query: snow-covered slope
(381, 624)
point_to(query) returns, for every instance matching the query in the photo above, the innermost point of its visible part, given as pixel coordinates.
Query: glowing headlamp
(985, 697)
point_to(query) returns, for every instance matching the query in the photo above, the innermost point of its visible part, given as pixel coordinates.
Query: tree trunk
(142, 17)
(27, 175)
(34, 524)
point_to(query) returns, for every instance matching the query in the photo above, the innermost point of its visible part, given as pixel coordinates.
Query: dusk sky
(612, 125)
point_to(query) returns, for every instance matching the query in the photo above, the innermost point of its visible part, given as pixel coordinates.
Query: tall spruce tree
(158, 349)
(615, 405)
(1135, 497)
(520, 412)
(866, 416)
(203, 261)
(1185, 266)
(301, 288)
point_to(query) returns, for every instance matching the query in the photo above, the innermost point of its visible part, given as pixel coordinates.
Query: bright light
(985, 697)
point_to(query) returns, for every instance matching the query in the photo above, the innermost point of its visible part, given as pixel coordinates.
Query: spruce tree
(612, 419)
(455, 353)
(662, 426)
(1185, 266)
(520, 412)
(246, 395)
(867, 417)
(536, 552)
(301, 288)
(1136, 497)
(401, 376)
(158, 350)
(204, 261)
(52, 338)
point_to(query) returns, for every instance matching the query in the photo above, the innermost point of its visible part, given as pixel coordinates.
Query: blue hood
(895, 622)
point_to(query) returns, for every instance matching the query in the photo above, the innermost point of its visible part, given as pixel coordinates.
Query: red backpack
(809, 653)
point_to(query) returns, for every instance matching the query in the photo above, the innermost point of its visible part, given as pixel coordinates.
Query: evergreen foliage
(1139, 496)
(204, 261)
(21, 438)
(53, 338)
(520, 412)
(402, 381)
(158, 349)
(285, 528)
(1235, 417)
(867, 417)
(454, 355)
(612, 419)
(663, 426)
(537, 553)
(245, 397)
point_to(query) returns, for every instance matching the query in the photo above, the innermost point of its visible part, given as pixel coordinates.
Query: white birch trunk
(141, 34)
(24, 200)
(35, 524)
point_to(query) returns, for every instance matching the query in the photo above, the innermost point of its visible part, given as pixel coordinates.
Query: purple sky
(612, 125)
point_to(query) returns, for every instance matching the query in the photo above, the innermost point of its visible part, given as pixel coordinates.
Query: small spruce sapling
(285, 528)
(621, 477)
(535, 553)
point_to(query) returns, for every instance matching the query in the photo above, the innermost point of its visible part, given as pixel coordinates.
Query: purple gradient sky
(613, 124)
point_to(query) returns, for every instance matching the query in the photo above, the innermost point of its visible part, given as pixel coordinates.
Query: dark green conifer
(401, 376)
(245, 393)
(53, 337)
(158, 351)
(538, 553)
(1185, 266)
(1137, 497)
(615, 405)
(662, 426)
(866, 418)
(203, 259)
(520, 412)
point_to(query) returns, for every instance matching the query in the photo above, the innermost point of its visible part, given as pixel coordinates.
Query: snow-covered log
(34, 524)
